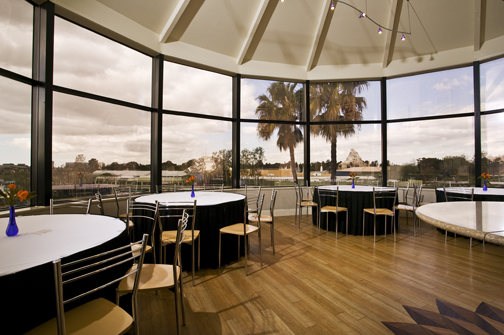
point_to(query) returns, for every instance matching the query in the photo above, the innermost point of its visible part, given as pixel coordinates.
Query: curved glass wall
(102, 120)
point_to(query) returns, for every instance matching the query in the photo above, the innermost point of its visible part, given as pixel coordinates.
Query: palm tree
(336, 102)
(280, 104)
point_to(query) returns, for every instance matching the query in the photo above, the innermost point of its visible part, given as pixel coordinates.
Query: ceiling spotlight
(362, 15)
(332, 5)
(380, 30)
(403, 38)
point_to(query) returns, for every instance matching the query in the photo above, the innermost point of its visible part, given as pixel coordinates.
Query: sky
(91, 63)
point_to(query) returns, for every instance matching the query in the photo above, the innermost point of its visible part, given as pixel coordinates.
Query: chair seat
(148, 248)
(379, 211)
(153, 277)
(405, 207)
(332, 209)
(237, 229)
(307, 203)
(264, 218)
(170, 236)
(98, 317)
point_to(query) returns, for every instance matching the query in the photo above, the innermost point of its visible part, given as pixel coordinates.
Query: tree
(197, 168)
(222, 161)
(93, 164)
(336, 102)
(251, 162)
(281, 103)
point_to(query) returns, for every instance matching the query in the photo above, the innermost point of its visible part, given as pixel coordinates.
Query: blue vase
(353, 183)
(12, 228)
(484, 186)
(192, 191)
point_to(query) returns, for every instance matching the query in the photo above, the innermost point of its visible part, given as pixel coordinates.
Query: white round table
(202, 198)
(214, 211)
(44, 238)
(482, 220)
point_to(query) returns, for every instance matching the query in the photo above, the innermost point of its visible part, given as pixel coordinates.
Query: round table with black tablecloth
(492, 194)
(214, 210)
(26, 271)
(355, 199)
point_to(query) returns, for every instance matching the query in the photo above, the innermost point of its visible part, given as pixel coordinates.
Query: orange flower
(22, 195)
(11, 186)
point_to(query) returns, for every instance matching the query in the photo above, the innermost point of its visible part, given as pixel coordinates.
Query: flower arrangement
(12, 194)
(484, 176)
(353, 174)
(190, 180)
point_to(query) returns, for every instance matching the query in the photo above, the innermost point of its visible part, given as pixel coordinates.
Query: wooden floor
(320, 285)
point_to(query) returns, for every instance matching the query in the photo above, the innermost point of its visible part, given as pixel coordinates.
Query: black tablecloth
(28, 297)
(209, 219)
(355, 201)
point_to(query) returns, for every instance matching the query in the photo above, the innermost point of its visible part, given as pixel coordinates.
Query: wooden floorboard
(322, 285)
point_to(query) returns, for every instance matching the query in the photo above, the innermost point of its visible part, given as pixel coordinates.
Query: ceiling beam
(256, 31)
(395, 16)
(326, 15)
(173, 20)
(479, 23)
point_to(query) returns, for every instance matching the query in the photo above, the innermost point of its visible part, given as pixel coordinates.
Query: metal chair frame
(381, 193)
(329, 196)
(148, 212)
(79, 204)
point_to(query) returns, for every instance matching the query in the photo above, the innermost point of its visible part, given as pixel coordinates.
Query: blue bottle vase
(12, 228)
(484, 186)
(353, 183)
(192, 191)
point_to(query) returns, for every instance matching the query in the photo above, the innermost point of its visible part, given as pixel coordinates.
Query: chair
(213, 187)
(100, 203)
(458, 194)
(253, 192)
(330, 197)
(244, 229)
(124, 192)
(143, 211)
(410, 204)
(175, 210)
(380, 195)
(81, 206)
(166, 188)
(160, 276)
(270, 219)
(98, 315)
(300, 203)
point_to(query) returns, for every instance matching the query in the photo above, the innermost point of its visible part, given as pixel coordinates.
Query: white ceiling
(301, 39)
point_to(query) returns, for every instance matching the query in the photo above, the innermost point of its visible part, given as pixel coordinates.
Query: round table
(482, 220)
(355, 199)
(214, 210)
(492, 194)
(26, 272)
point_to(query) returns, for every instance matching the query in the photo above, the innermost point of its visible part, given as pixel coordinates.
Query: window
(16, 36)
(197, 147)
(492, 148)
(436, 93)
(15, 133)
(197, 91)
(88, 62)
(492, 85)
(97, 145)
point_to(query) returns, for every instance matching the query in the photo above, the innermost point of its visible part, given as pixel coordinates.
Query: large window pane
(271, 100)
(492, 146)
(197, 147)
(271, 154)
(91, 63)
(436, 93)
(435, 152)
(345, 101)
(353, 148)
(98, 145)
(15, 134)
(492, 85)
(193, 90)
(16, 36)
